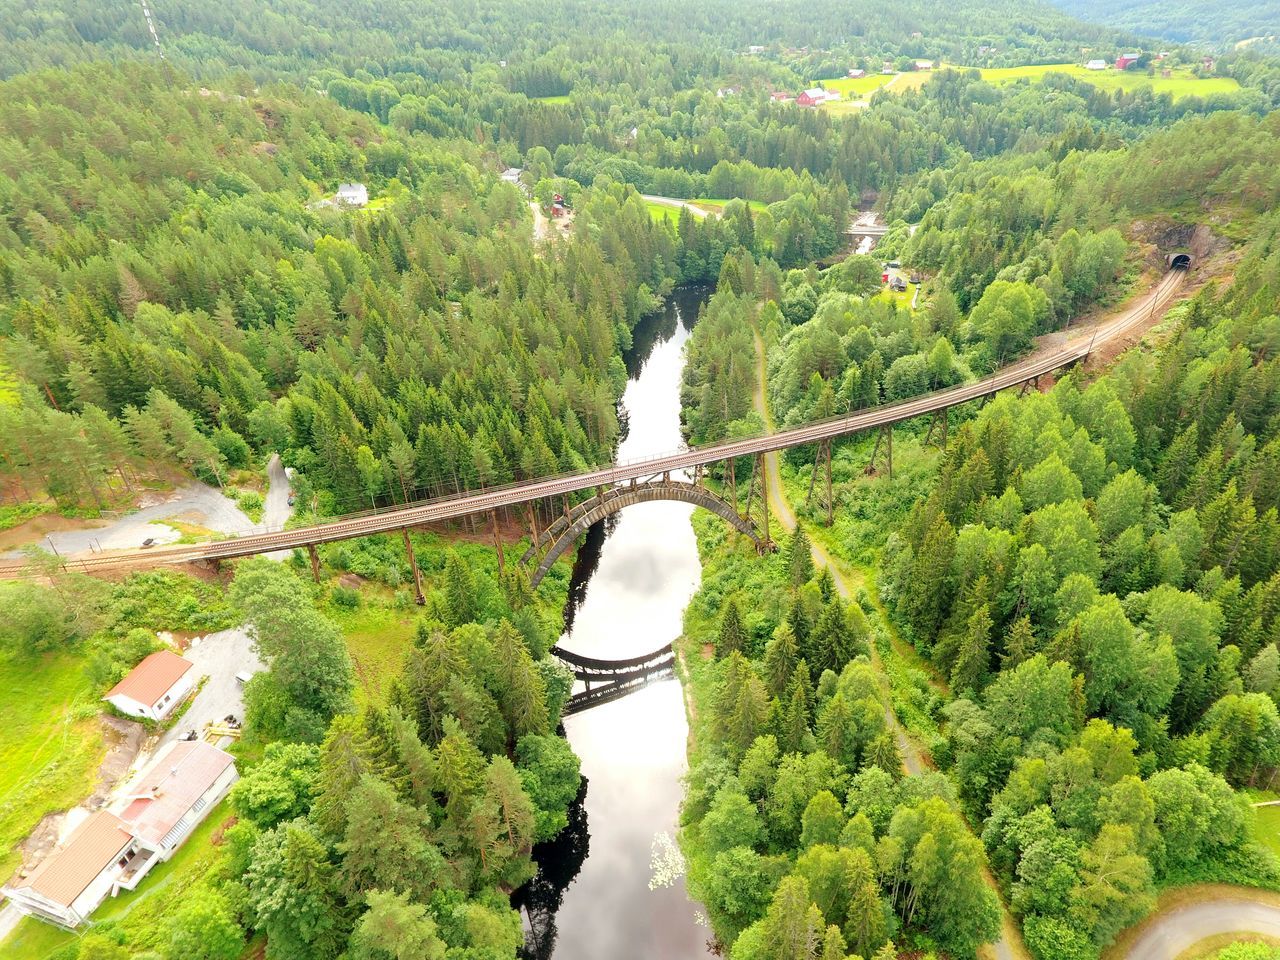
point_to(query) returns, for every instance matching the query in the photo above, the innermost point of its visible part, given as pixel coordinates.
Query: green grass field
(712, 205)
(660, 211)
(1266, 829)
(1182, 84)
(562, 98)
(50, 744)
(902, 299)
(856, 88)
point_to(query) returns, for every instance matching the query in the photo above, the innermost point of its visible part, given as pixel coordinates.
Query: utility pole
(151, 25)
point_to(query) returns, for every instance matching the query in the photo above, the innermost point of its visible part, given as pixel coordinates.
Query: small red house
(1126, 60)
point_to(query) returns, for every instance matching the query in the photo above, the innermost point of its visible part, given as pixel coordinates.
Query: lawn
(561, 98)
(1266, 828)
(1182, 84)
(859, 88)
(376, 638)
(901, 298)
(50, 744)
(143, 913)
(661, 211)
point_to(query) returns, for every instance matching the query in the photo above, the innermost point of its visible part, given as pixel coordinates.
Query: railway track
(452, 507)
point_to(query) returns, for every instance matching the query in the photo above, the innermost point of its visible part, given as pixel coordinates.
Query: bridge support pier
(765, 544)
(939, 423)
(822, 457)
(315, 562)
(418, 597)
(497, 542)
(886, 436)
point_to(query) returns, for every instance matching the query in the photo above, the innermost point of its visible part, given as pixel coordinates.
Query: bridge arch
(566, 530)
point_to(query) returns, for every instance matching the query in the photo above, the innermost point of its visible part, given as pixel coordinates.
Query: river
(633, 579)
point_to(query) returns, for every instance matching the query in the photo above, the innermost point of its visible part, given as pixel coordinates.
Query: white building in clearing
(154, 687)
(111, 852)
(352, 195)
(70, 884)
(1096, 65)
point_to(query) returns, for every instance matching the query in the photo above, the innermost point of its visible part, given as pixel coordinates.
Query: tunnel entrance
(1179, 261)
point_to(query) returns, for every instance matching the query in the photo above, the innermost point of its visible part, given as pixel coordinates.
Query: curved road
(444, 508)
(1170, 934)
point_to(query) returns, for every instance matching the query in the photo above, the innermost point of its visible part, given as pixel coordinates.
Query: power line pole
(151, 25)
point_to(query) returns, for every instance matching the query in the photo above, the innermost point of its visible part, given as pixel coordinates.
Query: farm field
(50, 744)
(1182, 84)
(560, 98)
(716, 205)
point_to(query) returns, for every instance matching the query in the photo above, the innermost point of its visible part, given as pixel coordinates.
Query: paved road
(195, 503)
(675, 203)
(1172, 933)
(275, 506)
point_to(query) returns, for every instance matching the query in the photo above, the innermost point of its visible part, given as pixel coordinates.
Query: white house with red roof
(175, 794)
(154, 687)
(113, 851)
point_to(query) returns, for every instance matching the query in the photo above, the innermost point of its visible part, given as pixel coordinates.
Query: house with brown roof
(111, 852)
(70, 884)
(154, 687)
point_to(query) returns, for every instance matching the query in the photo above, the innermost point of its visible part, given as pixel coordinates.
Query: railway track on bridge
(452, 507)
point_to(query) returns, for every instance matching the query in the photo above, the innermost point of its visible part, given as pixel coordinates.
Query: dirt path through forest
(1009, 946)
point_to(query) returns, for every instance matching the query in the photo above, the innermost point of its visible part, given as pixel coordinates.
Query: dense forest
(1086, 575)
(1183, 20)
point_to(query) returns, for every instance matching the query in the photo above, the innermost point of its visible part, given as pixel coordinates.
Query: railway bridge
(678, 475)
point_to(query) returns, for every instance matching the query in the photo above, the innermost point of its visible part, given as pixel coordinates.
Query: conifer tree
(780, 657)
(800, 558)
(460, 590)
(732, 633)
(864, 929)
(1020, 645)
(972, 662)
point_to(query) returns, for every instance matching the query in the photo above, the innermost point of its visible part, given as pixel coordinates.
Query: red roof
(92, 847)
(170, 787)
(152, 678)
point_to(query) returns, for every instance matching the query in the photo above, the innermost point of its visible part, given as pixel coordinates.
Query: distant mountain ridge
(1207, 21)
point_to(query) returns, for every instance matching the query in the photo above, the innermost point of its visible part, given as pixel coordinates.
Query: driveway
(275, 507)
(219, 656)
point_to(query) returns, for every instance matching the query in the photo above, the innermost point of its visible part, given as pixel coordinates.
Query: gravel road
(195, 503)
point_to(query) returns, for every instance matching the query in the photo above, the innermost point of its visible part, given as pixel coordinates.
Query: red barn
(1126, 60)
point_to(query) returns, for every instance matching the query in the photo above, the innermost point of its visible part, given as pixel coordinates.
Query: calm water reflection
(633, 581)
